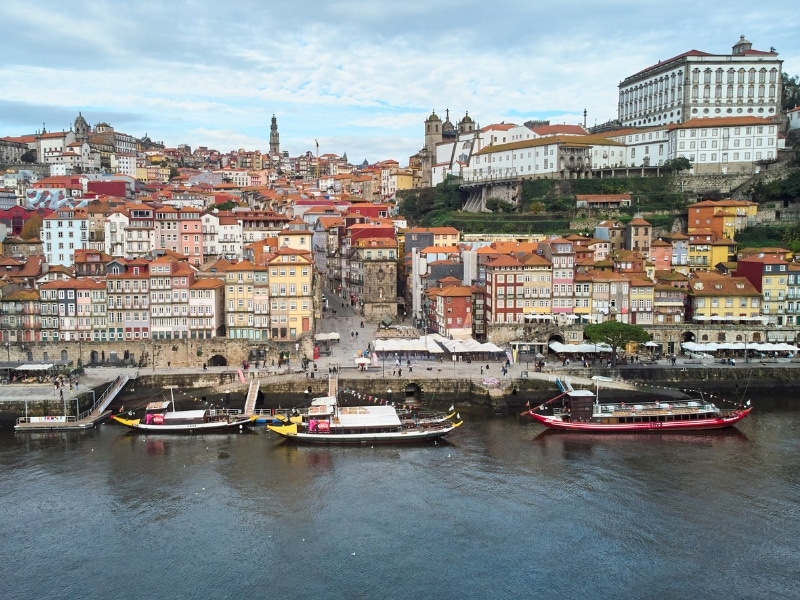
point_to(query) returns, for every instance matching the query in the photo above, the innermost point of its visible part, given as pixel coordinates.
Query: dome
(447, 126)
(434, 117)
(466, 118)
(80, 123)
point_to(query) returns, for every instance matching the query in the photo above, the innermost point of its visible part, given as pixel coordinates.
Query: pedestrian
(481, 370)
(399, 372)
(356, 335)
(487, 367)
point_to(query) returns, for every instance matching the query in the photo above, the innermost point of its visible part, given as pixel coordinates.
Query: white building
(124, 163)
(697, 84)
(794, 117)
(62, 233)
(222, 236)
(726, 145)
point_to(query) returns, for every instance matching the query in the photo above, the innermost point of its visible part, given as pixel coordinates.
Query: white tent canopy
(463, 346)
(321, 337)
(585, 348)
(403, 345)
(756, 347)
(34, 367)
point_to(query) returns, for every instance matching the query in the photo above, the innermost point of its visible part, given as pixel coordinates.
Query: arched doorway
(688, 336)
(64, 355)
(412, 394)
(93, 357)
(217, 361)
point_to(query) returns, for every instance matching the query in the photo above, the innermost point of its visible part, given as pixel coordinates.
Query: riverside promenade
(754, 374)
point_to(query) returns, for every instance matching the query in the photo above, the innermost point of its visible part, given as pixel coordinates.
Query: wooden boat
(326, 422)
(415, 416)
(158, 418)
(581, 410)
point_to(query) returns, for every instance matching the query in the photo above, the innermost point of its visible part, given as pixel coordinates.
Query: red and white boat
(581, 410)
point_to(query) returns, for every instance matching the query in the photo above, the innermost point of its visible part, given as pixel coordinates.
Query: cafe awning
(34, 367)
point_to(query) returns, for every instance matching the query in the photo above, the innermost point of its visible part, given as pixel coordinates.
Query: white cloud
(361, 77)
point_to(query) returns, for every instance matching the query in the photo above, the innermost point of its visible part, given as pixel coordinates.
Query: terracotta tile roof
(720, 122)
(708, 283)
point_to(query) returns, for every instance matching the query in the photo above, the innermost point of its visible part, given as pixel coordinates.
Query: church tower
(433, 136)
(81, 129)
(274, 138)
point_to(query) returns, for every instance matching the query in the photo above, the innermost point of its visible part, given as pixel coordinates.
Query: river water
(502, 510)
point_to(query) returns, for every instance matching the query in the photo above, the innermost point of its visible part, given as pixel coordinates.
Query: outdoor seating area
(30, 373)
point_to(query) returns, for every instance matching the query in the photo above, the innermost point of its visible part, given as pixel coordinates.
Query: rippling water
(502, 510)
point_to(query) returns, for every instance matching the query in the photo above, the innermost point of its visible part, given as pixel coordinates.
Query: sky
(358, 77)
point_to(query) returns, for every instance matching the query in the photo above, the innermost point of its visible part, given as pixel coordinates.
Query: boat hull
(649, 427)
(408, 436)
(211, 427)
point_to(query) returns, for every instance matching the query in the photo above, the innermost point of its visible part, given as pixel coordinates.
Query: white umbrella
(362, 361)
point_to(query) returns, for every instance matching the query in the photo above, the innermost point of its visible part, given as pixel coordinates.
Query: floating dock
(86, 420)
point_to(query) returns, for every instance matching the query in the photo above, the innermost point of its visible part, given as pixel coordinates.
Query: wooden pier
(86, 420)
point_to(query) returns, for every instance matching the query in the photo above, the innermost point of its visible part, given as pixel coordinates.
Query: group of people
(60, 382)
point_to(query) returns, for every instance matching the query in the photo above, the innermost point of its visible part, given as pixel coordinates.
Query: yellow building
(707, 250)
(715, 297)
(770, 276)
(537, 277)
(641, 303)
(239, 300)
(291, 293)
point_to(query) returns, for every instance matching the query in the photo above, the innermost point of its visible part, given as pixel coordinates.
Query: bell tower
(274, 138)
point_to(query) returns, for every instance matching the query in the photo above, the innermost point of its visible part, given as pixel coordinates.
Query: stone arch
(217, 361)
(554, 337)
(94, 357)
(688, 336)
(64, 355)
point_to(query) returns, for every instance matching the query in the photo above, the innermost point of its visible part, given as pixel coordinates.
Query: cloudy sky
(359, 77)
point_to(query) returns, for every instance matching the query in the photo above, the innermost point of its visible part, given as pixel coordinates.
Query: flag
(528, 404)
(452, 408)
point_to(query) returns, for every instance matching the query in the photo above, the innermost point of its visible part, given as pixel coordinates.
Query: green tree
(616, 335)
(678, 164)
(791, 91)
(497, 205)
(536, 208)
(229, 205)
